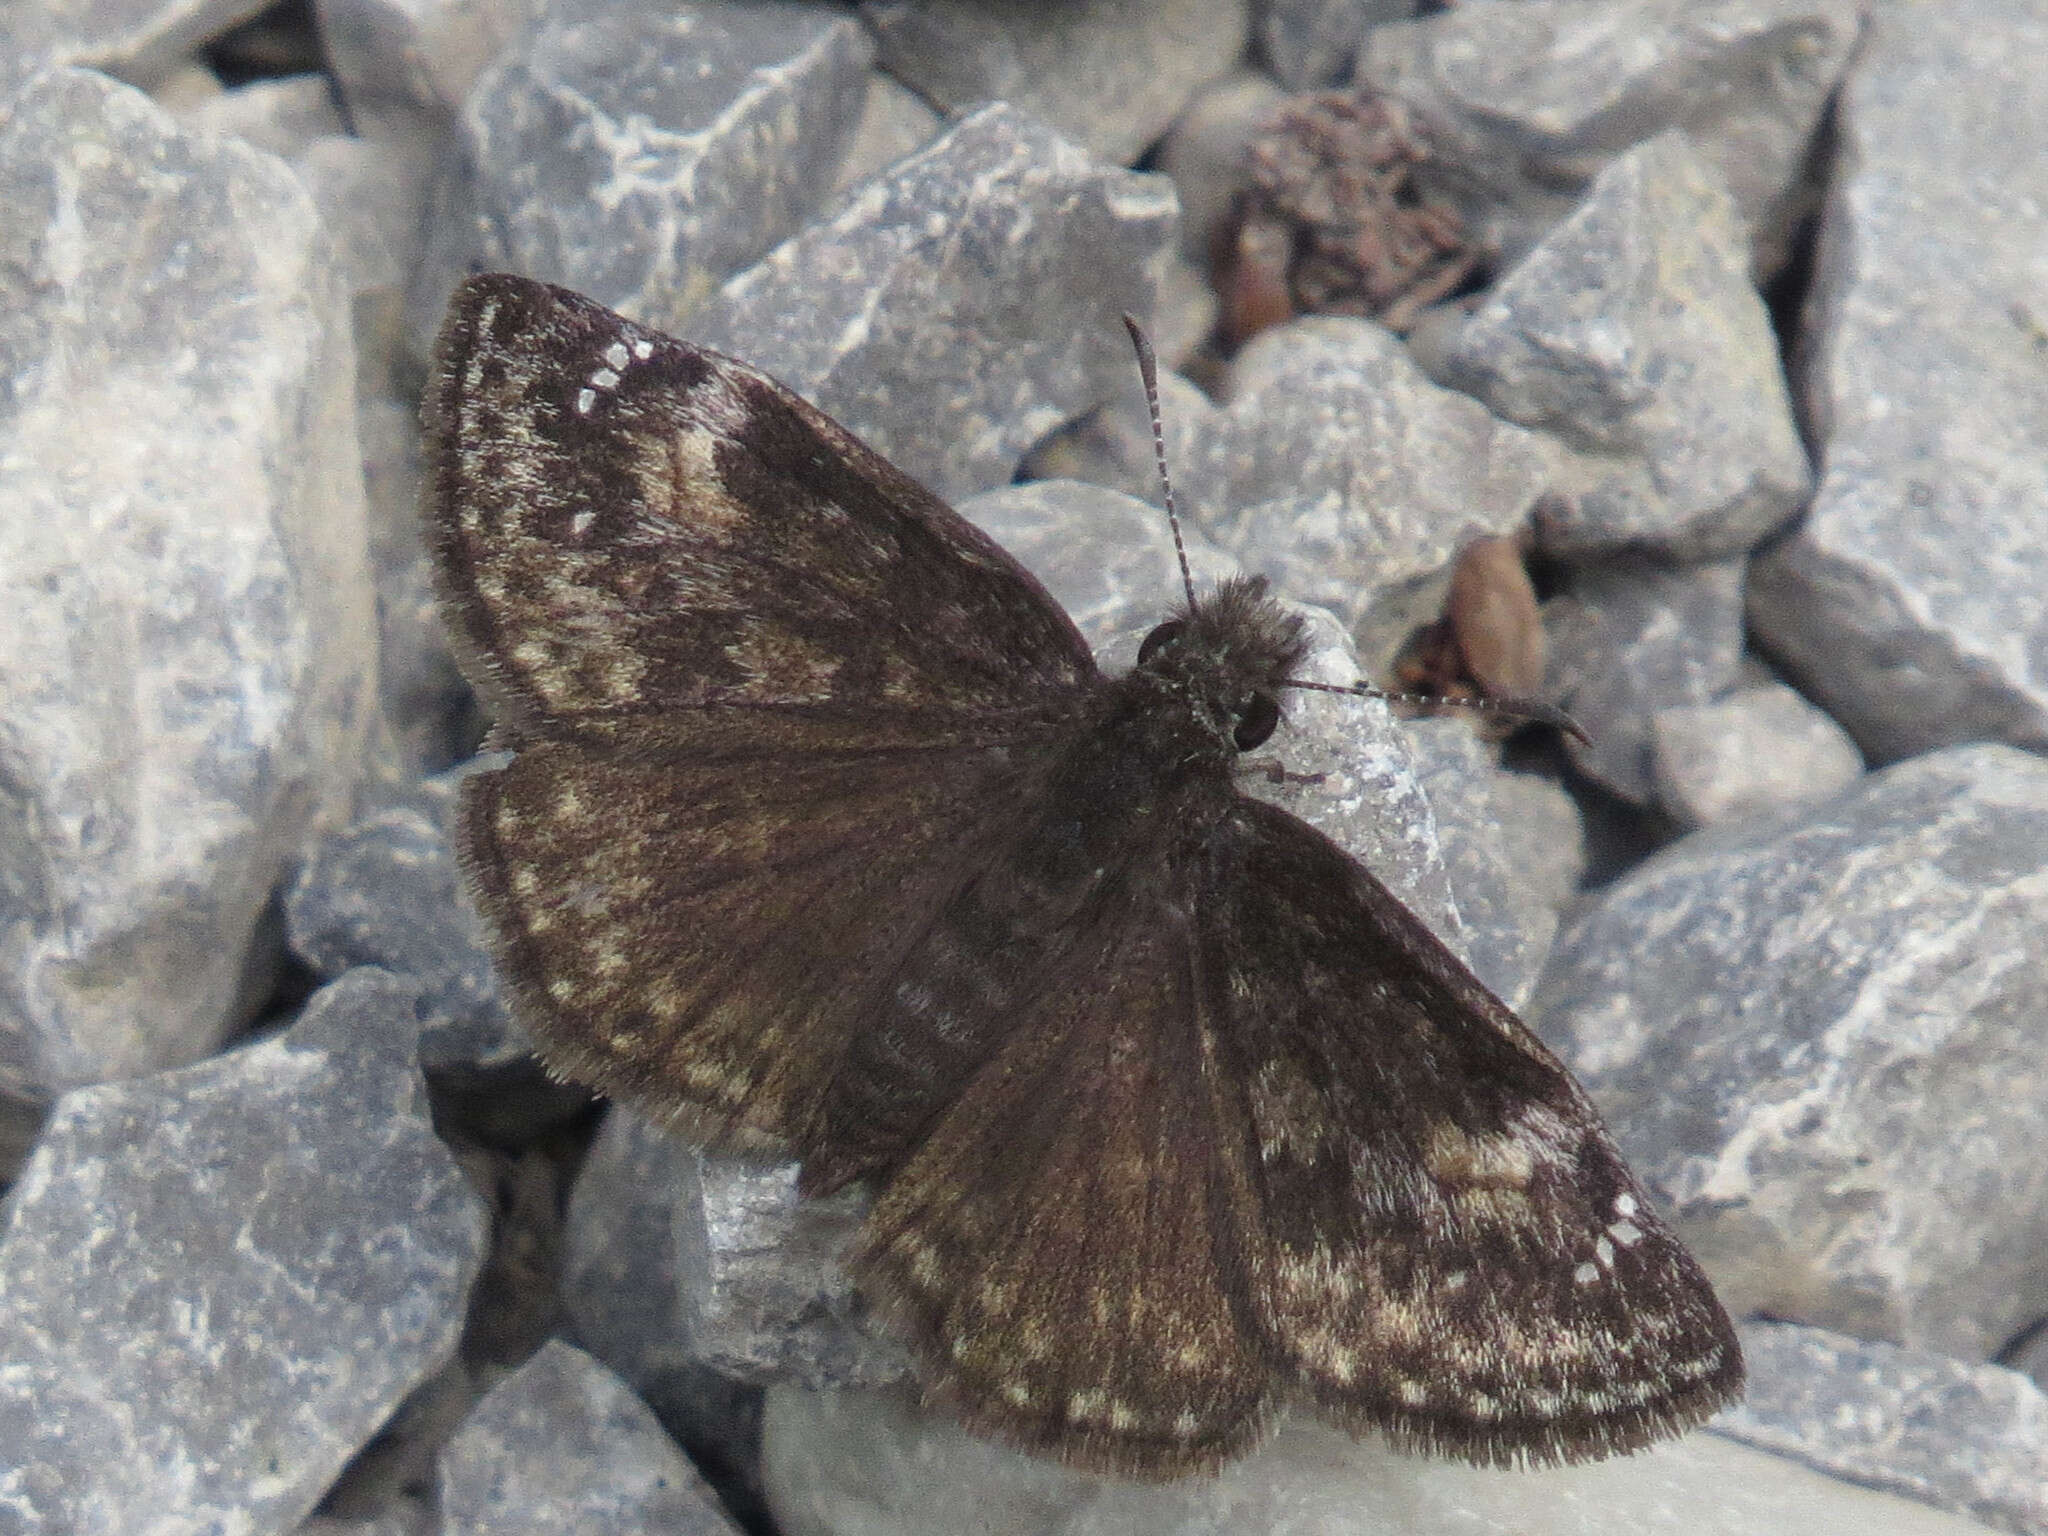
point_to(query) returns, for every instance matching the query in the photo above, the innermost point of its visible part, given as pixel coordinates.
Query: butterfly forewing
(624, 523)
(1446, 1245)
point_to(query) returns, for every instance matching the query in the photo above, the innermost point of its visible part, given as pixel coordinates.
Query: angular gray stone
(222, 1280)
(433, 714)
(641, 153)
(1108, 74)
(1207, 153)
(387, 891)
(872, 1464)
(895, 123)
(958, 308)
(1111, 447)
(401, 62)
(1632, 637)
(1910, 601)
(140, 41)
(636, 1193)
(1525, 100)
(767, 1298)
(282, 116)
(1632, 333)
(1513, 847)
(1959, 1435)
(1350, 479)
(1309, 44)
(1818, 1039)
(563, 1445)
(188, 655)
(1759, 749)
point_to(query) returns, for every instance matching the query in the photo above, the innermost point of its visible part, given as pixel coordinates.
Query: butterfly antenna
(1148, 370)
(1509, 706)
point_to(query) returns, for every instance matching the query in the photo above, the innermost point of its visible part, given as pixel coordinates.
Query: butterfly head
(1226, 657)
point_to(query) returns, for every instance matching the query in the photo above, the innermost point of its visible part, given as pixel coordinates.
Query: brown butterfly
(821, 831)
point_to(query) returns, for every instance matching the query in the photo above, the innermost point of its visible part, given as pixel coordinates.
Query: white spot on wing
(585, 399)
(615, 354)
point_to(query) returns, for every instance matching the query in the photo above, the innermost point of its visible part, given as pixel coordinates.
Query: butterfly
(821, 831)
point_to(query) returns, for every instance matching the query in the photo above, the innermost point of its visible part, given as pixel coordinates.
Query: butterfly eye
(1256, 718)
(1160, 639)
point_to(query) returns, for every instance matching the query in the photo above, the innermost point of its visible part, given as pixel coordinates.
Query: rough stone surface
(1109, 74)
(1112, 447)
(1525, 100)
(140, 41)
(1350, 479)
(870, 1464)
(281, 116)
(221, 1280)
(957, 309)
(1967, 1437)
(641, 154)
(401, 60)
(1513, 847)
(1633, 334)
(1633, 637)
(563, 1445)
(1309, 44)
(188, 654)
(895, 123)
(1910, 601)
(386, 891)
(636, 1201)
(1206, 153)
(1759, 749)
(1818, 1038)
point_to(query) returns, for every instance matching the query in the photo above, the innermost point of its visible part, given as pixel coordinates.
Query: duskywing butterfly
(821, 831)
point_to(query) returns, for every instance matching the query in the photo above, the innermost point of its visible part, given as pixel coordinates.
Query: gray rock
(1109, 74)
(1959, 1435)
(1759, 749)
(222, 1280)
(402, 63)
(189, 650)
(1351, 480)
(1909, 603)
(1309, 44)
(637, 1199)
(640, 154)
(872, 1464)
(1818, 1039)
(386, 891)
(140, 41)
(1513, 848)
(1525, 100)
(895, 123)
(1207, 153)
(432, 713)
(760, 1269)
(282, 117)
(1631, 638)
(1632, 333)
(563, 1445)
(1112, 447)
(958, 308)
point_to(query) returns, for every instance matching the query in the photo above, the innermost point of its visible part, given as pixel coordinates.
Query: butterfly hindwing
(1446, 1245)
(1056, 1250)
(628, 524)
(691, 924)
